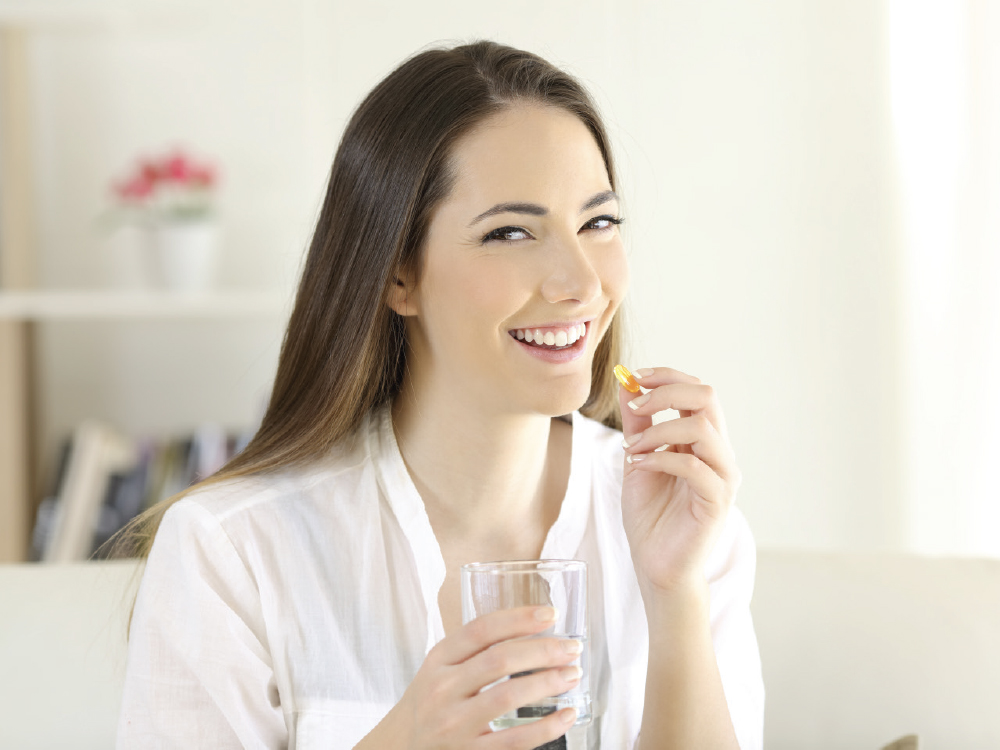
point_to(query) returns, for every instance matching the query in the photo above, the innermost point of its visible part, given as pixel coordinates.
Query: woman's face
(522, 269)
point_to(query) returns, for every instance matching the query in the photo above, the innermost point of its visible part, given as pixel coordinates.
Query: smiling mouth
(553, 338)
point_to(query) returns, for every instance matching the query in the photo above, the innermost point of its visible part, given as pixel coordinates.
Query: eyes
(513, 234)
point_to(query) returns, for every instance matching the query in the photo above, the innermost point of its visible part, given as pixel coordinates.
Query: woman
(456, 320)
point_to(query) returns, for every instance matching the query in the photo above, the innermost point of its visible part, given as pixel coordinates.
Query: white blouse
(293, 610)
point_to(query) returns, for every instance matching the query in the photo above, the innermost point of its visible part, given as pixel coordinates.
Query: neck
(480, 471)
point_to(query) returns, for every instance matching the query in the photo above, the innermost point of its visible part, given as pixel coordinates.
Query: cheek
(501, 287)
(612, 267)
(473, 294)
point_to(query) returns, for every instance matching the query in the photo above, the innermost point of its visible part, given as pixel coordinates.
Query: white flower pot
(186, 254)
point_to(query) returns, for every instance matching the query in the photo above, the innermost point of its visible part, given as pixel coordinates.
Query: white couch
(857, 651)
(62, 654)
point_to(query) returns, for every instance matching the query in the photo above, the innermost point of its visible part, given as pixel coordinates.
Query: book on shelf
(105, 479)
(96, 451)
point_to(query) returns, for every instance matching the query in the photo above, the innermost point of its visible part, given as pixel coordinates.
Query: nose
(572, 276)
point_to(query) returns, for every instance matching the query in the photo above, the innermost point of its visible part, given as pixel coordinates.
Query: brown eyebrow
(533, 209)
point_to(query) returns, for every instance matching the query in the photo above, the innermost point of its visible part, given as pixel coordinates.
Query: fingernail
(626, 379)
(567, 715)
(545, 614)
(572, 646)
(637, 402)
(631, 440)
(645, 372)
(570, 674)
(635, 458)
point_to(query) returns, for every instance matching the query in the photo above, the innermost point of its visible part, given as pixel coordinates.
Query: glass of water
(489, 586)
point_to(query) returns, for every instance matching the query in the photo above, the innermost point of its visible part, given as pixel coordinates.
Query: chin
(562, 401)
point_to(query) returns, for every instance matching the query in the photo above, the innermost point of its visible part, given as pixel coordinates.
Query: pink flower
(173, 185)
(138, 188)
(176, 168)
(149, 171)
(202, 176)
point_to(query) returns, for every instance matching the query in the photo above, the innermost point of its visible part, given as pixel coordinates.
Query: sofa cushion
(860, 647)
(62, 647)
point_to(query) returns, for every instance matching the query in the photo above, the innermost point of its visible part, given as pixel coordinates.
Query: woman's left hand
(674, 501)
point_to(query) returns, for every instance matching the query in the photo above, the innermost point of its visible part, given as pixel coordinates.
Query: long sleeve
(199, 672)
(731, 572)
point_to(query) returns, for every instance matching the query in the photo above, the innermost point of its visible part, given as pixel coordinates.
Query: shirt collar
(562, 541)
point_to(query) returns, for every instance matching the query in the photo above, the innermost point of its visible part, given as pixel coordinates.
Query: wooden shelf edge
(15, 485)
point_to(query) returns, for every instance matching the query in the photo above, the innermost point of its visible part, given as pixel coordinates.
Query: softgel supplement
(626, 378)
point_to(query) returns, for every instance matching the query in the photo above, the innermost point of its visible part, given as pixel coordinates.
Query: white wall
(945, 63)
(764, 236)
(754, 141)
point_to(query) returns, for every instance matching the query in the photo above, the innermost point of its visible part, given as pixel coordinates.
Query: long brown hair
(344, 351)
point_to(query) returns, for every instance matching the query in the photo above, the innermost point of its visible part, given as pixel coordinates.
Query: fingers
(699, 447)
(482, 632)
(517, 692)
(671, 389)
(697, 432)
(651, 377)
(538, 668)
(632, 423)
(447, 694)
(533, 735)
(708, 485)
(516, 657)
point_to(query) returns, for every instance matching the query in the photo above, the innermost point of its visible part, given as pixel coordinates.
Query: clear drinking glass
(490, 586)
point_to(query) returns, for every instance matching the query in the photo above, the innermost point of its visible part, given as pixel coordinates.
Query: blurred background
(812, 194)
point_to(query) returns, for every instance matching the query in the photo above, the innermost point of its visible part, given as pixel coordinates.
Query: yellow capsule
(626, 379)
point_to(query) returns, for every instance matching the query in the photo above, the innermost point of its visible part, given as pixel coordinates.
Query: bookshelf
(24, 306)
(16, 273)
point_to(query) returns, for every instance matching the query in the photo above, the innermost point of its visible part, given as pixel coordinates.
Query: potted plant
(171, 201)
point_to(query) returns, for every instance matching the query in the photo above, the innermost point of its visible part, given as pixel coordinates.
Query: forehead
(531, 153)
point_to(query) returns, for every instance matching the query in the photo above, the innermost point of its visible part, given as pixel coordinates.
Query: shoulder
(238, 504)
(338, 467)
(242, 535)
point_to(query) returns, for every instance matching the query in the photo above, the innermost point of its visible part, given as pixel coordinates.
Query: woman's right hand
(443, 708)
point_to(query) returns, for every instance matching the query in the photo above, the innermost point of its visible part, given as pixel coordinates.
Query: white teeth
(566, 337)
